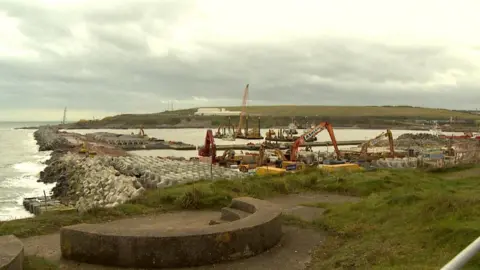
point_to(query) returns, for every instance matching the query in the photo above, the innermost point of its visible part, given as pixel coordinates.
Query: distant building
(216, 111)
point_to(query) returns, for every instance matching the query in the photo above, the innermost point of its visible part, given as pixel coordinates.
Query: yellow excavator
(374, 141)
(84, 150)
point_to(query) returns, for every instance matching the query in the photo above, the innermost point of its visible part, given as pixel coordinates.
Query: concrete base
(11, 253)
(177, 247)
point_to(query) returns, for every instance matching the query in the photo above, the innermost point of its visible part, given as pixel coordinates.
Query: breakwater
(48, 139)
(85, 182)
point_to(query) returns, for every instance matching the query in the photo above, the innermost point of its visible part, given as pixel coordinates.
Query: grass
(356, 111)
(201, 195)
(406, 220)
(35, 263)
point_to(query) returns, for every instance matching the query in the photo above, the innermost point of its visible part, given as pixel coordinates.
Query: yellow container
(338, 167)
(264, 170)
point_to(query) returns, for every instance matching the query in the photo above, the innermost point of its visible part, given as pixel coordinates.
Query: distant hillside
(357, 111)
(399, 117)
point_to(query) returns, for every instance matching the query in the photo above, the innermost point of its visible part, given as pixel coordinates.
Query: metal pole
(463, 257)
(45, 196)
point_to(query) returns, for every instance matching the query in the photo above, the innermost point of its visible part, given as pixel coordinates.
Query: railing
(464, 256)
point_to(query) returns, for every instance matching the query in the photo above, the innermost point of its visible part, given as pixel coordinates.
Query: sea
(20, 166)
(21, 162)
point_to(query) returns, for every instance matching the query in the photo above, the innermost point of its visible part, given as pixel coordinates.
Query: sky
(100, 58)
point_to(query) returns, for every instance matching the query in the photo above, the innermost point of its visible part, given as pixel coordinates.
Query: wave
(29, 168)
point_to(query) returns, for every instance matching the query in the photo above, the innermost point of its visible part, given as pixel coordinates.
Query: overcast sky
(120, 56)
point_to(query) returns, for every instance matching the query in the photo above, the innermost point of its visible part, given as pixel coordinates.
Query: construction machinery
(374, 141)
(308, 135)
(250, 134)
(254, 134)
(283, 135)
(86, 151)
(225, 132)
(209, 149)
(243, 112)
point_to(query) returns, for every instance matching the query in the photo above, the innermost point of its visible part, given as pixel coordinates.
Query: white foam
(30, 168)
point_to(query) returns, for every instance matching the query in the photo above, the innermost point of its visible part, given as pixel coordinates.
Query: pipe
(464, 256)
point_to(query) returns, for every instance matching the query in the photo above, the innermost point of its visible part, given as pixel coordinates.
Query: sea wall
(48, 139)
(105, 181)
(89, 182)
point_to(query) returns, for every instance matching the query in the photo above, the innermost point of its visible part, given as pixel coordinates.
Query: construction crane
(243, 112)
(374, 141)
(308, 135)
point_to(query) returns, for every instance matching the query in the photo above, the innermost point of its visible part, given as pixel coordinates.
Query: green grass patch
(35, 263)
(411, 220)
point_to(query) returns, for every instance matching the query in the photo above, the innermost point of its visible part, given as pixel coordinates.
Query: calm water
(21, 163)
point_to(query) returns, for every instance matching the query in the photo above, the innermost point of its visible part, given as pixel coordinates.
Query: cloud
(106, 57)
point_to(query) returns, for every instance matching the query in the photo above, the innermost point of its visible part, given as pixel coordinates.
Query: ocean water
(20, 166)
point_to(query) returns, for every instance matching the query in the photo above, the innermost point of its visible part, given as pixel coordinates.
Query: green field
(407, 219)
(356, 111)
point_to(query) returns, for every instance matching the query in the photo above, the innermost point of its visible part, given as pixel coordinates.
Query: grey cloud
(119, 72)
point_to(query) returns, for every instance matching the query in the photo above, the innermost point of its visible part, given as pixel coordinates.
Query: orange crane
(243, 112)
(308, 135)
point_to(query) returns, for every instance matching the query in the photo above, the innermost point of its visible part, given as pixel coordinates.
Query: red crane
(209, 149)
(308, 135)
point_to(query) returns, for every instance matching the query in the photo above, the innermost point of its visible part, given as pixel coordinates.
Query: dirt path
(293, 252)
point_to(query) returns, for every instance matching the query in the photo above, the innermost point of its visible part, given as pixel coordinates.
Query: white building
(216, 111)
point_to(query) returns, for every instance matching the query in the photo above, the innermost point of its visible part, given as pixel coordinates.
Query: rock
(48, 139)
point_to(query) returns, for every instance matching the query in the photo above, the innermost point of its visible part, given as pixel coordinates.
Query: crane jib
(312, 132)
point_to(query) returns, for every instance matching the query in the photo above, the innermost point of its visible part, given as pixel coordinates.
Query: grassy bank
(406, 220)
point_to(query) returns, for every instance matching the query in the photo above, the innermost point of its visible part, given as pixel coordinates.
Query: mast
(64, 116)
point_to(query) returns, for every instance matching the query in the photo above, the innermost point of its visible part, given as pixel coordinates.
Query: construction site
(289, 149)
(96, 170)
(285, 150)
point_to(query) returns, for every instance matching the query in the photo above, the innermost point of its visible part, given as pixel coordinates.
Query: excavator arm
(312, 133)
(390, 142)
(374, 141)
(367, 144)
(209, 149)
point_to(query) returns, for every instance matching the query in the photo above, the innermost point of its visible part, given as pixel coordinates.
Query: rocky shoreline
(103, 181)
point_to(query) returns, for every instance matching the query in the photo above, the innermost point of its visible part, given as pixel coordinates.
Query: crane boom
(243, 112)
